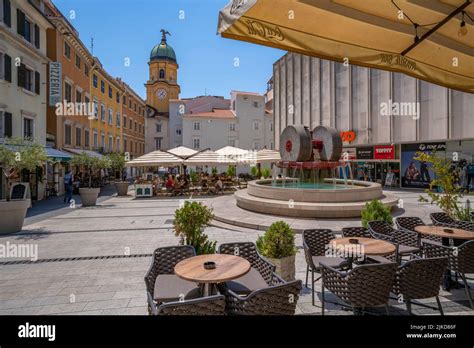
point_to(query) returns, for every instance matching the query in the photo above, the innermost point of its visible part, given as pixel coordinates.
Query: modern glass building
(386, 117)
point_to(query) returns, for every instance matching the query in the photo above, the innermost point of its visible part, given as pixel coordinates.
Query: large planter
(12, 215)
(89, 196)
(121, 187)
(285, 267)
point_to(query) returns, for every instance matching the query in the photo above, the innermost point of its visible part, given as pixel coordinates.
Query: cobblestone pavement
(93, 260)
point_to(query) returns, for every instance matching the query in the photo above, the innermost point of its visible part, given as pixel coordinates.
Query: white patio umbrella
(156, 158)
(268, 156)
(208, 158)
(183, 152)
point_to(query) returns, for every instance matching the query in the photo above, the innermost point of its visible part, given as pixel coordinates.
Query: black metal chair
(419, 279)
(279, 299)
(315, 244)
(363, 287)
(356, 232)
(261, 275)
(211, 305)
(408, 224)
(406, 242)
(162, 285)
(442, 219)
(460, 260)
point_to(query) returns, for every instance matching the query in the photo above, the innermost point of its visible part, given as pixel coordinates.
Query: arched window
(162, 74)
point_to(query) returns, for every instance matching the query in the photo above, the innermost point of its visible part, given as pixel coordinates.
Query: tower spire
(163, 35)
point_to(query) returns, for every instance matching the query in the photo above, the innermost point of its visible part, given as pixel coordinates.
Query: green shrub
(254, 171)
(231, 171)
(266, 173)
(465, 213)
(278, 241)
(193, 176)
(189, 222)
(214, 171)
(376, 211)
(117, 163)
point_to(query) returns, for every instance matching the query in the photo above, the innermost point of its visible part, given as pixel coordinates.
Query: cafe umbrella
(428, 40)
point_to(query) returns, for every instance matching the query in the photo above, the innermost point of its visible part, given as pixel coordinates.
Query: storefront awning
(156, 158)
(57, 155)
(429, 40)
(88, 152)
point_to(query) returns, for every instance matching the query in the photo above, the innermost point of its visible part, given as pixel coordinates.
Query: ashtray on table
(209, 265)
(354, 241)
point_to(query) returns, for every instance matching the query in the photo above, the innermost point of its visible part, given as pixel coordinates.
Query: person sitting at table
(169, 183)
(219, 186)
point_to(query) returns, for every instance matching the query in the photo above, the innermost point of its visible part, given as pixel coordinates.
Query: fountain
(309, 185)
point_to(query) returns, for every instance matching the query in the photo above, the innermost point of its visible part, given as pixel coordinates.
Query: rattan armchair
(460, 260)
(315, 245)
(443, 219)
(261, 275)
(162, 285)
(408, 224)
(419, 279)
(280, 299)
(407, 242)
(364, 286)
(356, 232)
(211, 305)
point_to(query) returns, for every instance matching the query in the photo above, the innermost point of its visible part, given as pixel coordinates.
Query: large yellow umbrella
(432, 40)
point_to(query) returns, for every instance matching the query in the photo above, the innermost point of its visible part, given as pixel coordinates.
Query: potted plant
(90, 164)
(16, 155)
(189, 223)
(278, 245)
(375, 211)
(117, 164)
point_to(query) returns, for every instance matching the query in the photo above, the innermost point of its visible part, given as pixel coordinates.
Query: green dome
(163, 51)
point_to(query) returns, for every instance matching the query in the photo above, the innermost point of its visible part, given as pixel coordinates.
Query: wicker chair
(419, 279)
(362, 287)
(460, 260)
(407, 242)
(212, 305)
(356, 232)
(315, 243)
(442, 219)
(279, 299)
(408, 224)
(162, 285)
(261, 275)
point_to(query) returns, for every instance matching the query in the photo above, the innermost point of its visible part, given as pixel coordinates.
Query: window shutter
(8, 125)
(8, 68)
(37, 82)
(37, 36)
(20, 22)
(22, 76)
(7, 16)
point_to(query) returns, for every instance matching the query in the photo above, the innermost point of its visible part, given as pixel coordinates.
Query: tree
(117, 163)
(17, 154)
(90, 163)
(448, 200)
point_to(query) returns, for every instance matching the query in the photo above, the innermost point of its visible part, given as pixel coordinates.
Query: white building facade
(23, 64)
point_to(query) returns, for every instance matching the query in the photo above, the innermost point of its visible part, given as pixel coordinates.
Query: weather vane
(163, 34)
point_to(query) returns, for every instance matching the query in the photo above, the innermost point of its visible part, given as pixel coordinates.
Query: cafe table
(444, 232)
(209, 270)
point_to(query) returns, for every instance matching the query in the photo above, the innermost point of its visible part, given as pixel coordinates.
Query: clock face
(161, 94)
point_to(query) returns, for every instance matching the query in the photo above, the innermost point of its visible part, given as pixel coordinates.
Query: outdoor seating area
(181, 283)
(363, 270)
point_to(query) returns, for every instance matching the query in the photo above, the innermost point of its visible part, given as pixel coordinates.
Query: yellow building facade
(106, 97)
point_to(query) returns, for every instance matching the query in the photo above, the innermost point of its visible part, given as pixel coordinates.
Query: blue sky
(131, 28)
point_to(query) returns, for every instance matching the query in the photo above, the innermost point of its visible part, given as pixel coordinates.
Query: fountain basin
(339, 201)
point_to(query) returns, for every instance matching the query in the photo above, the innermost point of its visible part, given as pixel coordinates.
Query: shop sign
(348, 136)
(366, 153)
(55, 84)
(384, 152)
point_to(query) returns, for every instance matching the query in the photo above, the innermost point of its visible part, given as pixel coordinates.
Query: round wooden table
(228, 267)
(439, 231)
(368, 246)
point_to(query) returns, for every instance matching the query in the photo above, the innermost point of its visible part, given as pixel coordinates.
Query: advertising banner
(417, 174)
(365, 153)
(384, 152)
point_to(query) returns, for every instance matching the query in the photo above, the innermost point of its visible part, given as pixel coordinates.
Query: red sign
(384, 152)
(348, 136)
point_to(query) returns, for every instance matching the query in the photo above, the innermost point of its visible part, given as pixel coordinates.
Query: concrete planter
(89, 196)
(285, 267)
(12, 215)
(121, 187)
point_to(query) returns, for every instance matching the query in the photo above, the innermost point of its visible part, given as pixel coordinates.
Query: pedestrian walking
(68, 181)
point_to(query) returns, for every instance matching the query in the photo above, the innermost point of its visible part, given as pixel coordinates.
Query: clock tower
(163, 80)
